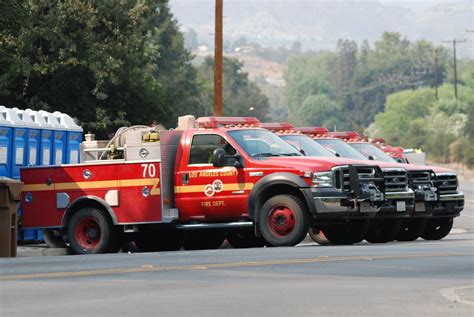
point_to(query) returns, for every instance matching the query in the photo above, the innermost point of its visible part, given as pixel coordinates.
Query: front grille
(365, 175)
(446, 183)
(419, 177)
(395, 180)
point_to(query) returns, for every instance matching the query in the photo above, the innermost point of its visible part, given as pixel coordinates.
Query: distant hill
(318, 24)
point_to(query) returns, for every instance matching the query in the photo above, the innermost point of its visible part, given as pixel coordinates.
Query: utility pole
(218, 60)
(436, 72)
(454, 41)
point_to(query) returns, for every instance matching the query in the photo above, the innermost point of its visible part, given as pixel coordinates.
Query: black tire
(54, 238)
(347, 233)
(203, 239)
(411, 229)
(437, 229)
(244, 238)
(383, 230)
(283, 221)
(318, 236)
(91, 231)
(159, 240)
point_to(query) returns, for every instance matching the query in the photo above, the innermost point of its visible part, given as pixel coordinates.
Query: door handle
(185, 178)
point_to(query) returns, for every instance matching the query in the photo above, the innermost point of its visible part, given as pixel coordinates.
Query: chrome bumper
(345, 206)
(410, 194)
(452, 197)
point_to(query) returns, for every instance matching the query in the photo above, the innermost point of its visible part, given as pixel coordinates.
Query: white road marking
(457, 230)
(450, 294)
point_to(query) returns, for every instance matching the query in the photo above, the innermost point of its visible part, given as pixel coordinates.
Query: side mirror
(399, 160)
(219, 158)
(371, 158)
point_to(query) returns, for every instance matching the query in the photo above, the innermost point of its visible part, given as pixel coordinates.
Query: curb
(33, 252)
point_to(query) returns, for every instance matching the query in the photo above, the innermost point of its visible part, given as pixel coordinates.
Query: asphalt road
(432, 278)
(466, 220)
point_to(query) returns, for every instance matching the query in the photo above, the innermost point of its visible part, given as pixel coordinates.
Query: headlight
(322, 179)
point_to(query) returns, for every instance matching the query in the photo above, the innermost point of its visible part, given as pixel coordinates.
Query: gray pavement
(396, 279)
(432, 278)
(466, 219)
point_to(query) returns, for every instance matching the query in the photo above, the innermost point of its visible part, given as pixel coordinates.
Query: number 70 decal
(149, 170)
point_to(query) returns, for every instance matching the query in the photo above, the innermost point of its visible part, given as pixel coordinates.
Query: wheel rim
(88, 233)
(281, 221)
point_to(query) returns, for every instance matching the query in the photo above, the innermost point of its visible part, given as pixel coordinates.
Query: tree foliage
(360, 79)
(105, 62)
(241, 97)
(443, 128)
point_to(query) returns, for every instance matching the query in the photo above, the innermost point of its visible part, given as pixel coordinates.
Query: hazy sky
(318, 24)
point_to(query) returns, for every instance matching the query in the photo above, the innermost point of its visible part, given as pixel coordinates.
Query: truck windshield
(341, 148)
(262, 143)
(368, 150)
(306, 145)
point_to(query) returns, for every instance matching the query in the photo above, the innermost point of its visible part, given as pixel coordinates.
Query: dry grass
(464, 173)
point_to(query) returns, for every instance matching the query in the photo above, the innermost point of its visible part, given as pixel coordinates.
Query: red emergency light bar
(215, 122)
(277, 126)
(378, 140)
(344, 135)
(312, 130)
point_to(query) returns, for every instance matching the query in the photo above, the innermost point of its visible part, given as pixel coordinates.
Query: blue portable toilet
(18, 157)
(6, 133)
(74, 137)
(33, 138)
(19, 141)
(46, 137)
(59, 138)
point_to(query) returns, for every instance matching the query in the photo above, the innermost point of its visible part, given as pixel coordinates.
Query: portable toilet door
(59, 138)
(33, 139)
(46, 137)
(6, 133)
(19, 137)
(74, 137)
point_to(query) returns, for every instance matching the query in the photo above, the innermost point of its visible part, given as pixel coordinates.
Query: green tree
(107, 62)
(401, 109)
(413, 118)
(345, 66)
(191, 39)
(241, 97)
(307, 75)
(318, 110)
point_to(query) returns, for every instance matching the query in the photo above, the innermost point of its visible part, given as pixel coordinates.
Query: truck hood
(320, 163)
(413, 167)
(313, 164)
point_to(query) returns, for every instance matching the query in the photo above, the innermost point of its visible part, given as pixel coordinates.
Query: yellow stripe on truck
(153, 182)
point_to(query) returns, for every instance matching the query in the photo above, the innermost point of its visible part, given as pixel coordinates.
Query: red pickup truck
(437, 198)
(194, 187)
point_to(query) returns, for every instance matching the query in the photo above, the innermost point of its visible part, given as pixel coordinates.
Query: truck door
(207, 192)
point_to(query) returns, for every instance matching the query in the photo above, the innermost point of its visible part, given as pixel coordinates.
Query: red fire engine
(194, 186)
